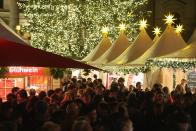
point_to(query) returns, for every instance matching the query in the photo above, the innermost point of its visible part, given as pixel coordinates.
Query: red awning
(14, 54)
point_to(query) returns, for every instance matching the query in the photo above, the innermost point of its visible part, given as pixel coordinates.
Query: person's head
(32, 92)
(131, 87)
(42, 95)
(95, 76)
(81, 124)
(138, 85)
(159, 97)
(166, 90)
(72, 109)
(15, 90)
(126, 124)
(22, 95)
(183, 81)
(50, 126)
(121, 81)
(11, 98)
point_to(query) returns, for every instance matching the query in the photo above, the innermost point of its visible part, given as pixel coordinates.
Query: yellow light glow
(18, 28)
(143, 24)
(157, 31)
(179, 29)
(169, 19)
(105, 30)
(122, 27)
(130, 14)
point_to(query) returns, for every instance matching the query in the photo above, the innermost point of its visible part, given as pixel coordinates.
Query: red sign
(25, 71)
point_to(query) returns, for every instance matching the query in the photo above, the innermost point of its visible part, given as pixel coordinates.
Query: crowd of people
(86, 105)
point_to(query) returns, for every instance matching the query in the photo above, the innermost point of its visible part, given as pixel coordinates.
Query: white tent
(120, 45)
(168, 42)
(139, 46)
(99, 50)
(188, 52)
(193, 37)
(8, 34)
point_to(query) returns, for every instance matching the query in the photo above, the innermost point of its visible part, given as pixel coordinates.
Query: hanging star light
(143, 24)
(105, 30)
(169, 19)
(157, 31)
(179, 29)
(122, 27)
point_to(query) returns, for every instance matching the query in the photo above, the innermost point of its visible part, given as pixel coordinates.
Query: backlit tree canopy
(72, 27)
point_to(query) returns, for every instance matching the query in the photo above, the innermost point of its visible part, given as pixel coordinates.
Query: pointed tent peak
(168, 42)
(119, 46)
(193, 37)
(8, 34)
(143, 35)
(139, 46)
(100, 49)
(156, 38)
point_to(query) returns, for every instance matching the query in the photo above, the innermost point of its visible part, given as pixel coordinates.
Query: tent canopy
(193, 37)
(14, 54)
(114, 51)
(140, 45)
(168, 42)
(188, 52)
(8, 34)
(99, 50)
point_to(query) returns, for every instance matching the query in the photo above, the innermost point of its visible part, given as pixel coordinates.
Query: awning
(14, 54)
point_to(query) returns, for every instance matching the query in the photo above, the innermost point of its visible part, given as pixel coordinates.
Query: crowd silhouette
(86, 105)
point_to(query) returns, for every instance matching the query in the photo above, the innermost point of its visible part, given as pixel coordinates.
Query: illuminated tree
(72, 27)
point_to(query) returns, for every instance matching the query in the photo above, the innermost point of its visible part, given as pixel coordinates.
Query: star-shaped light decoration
(157, 31)
(143, 24)
(105, 30)
(179, 29)
(169, 19)
(122, 27)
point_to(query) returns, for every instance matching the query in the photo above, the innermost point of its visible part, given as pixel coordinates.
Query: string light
(72, 28)
(169, 19)
(18, 28)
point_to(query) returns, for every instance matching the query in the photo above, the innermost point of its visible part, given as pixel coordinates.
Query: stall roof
(188, 52)
(14, 54)
(139, 46)
(193, 37)
(168, 42)
(8, 34)
(99, 50)
(114, 51)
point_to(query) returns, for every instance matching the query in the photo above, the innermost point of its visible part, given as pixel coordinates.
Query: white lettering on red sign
(23, 70)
